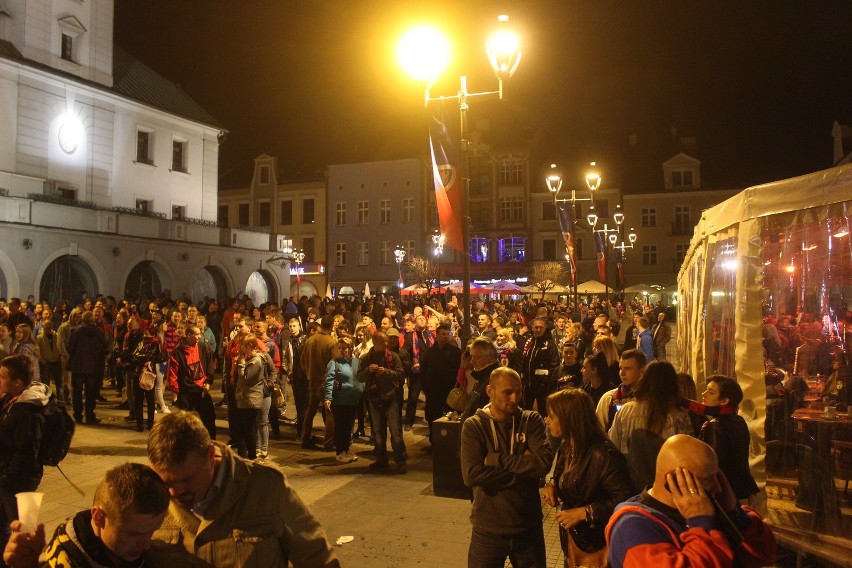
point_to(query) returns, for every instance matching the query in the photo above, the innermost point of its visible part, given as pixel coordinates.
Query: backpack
(58, 432)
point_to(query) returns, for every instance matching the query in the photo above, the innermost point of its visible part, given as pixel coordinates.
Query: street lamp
(399, 254)
(438, 242)
(299, 258)
(424, 53)
(554, 185)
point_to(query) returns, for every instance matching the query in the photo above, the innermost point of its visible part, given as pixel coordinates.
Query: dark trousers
(51, 373)
(315, 402)
(344, 418)
(89, 383)
(201, 403)
(244, 432)
(300, 400)
(436, 403)
(140, 395)
(415, 383)
(524, 550)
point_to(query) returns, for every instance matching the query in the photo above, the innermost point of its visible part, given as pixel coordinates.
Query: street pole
(465, 163)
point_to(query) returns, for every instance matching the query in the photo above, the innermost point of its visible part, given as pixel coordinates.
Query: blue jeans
(262, 423)
(525, 550)
(387, 415)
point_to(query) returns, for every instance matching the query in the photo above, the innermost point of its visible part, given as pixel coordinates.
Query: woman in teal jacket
(342, 395)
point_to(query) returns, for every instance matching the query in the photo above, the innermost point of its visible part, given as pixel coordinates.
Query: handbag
(577, 557)
(147, 379)
(458, 399)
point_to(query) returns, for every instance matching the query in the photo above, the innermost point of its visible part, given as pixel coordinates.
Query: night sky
(315, 82)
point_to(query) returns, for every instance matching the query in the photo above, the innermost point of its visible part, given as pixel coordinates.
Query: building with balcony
(373, 208)
(295, 209)
(109, 172)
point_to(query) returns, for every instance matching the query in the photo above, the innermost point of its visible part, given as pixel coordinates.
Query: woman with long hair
(608, 346)
(596, 377)
(590, 477)
(643, 424)
(255, 370)
(25, 345)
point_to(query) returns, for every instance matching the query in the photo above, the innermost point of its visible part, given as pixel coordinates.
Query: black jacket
(88, 348)
(21, 430)
(728, 436)
(598, 477)
(440, 366)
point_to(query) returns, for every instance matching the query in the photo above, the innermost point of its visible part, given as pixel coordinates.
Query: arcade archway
(261, 288)
(209, 282)
(146, 281)
(67, 277)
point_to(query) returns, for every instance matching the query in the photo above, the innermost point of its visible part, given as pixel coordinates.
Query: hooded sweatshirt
(21, 430)
(504, 477)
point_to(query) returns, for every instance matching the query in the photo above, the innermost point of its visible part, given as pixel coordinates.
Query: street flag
(566, 224)
(600, 250)
(446, 172)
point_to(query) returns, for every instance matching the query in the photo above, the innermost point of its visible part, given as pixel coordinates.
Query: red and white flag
(446, 171)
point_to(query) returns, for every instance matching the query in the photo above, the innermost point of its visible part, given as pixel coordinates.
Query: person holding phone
(689, 516)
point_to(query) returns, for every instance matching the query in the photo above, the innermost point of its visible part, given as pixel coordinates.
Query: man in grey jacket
(504, 456)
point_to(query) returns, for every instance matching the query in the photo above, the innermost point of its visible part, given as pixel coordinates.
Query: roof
(133, 80)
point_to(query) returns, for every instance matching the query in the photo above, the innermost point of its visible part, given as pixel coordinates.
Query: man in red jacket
(189, 382)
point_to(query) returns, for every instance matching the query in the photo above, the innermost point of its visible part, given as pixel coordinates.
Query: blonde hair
(508, 333)
(608, 347)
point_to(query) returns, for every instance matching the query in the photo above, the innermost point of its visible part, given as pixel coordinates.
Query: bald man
(674, 523)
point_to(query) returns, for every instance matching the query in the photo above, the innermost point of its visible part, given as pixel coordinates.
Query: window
(511, 208)
(340, 254)
(145, 146)
(178, 212)
(264, 214)
(408, 246)
(649, 216)
(511, 249)
(408, 210)
(479, 248)
(144, 205)
(682, 221)
(243, 214)
(480, 214)
(287, 212)
(179, 155)
(222, 216)
(264, 174)
(340, 214)
(511, 172)
(602, 208)
(548, 247)
(548, 211)
(384, 211)
(680, 252)
(67, 47)
(308, 216)
(682, 178)
(649, 255)
(363, 212)
(309, 248)
(363, 256)
(480, 175)
(387, 254)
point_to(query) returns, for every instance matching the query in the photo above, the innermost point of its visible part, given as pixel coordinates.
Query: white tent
(367, 290)
(554, 289)
(639, 288)
(593, 287)
(505, 287)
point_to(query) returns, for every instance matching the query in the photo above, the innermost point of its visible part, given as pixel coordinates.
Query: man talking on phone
(689, 517)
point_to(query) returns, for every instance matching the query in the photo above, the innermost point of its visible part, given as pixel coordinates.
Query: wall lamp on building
(424, 53)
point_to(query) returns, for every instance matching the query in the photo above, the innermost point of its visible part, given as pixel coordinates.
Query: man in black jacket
(540, 361)
(87, 349)
(440, 365)
(484, 360)
(189, 381)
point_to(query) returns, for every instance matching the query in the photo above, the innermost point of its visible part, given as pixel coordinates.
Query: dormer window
(71, 30)
(264, 175)
(682, 178)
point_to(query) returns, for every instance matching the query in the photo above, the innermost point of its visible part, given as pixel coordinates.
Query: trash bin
(446, 460)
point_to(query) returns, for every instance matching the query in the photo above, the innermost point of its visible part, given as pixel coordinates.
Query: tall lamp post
(622, 246)
(299, 258)
(554, 185)
(425, 53)
(611, 236)
(438, 243)
(399, 254)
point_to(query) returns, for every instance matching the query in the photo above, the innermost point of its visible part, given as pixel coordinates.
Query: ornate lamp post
(399, 254)
(425, 53)
(299, 258)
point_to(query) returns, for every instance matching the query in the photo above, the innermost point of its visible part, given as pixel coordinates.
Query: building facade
(293, 209)
(373, 208)
(108, 172)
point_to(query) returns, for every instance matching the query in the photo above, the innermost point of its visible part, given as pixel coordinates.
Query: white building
(108, 172)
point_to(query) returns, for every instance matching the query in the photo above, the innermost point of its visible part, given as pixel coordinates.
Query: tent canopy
(505, 287)
(593, 287)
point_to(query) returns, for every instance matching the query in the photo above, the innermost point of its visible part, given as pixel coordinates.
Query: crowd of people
(585, 392)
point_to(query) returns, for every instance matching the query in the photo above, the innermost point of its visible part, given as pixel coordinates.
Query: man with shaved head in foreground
(675, 522)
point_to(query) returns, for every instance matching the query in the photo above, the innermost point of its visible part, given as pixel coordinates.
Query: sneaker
(261, 455)
(344, 457)
(407, 428)
(166, 410)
